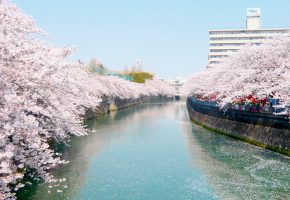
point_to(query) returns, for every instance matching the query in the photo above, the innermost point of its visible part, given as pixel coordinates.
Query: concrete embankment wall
(264, 130)
(108, 105)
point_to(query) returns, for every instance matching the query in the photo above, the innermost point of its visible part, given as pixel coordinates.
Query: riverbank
(113, 104)
(264, 130)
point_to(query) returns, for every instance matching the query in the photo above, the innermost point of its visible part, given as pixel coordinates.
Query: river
(154, 152)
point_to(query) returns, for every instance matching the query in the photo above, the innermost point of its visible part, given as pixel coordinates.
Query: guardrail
(264, 119)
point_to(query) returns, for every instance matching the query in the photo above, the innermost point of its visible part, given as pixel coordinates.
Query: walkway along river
(153, 151)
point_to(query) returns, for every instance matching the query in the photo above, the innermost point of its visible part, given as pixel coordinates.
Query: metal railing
(257, 118)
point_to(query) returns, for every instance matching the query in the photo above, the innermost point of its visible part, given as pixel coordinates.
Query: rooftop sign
(254, 12)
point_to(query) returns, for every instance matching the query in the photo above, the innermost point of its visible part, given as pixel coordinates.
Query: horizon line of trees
(136, 73)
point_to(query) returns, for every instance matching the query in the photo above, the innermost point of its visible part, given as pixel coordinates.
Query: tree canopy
(141, 77)
(43, 98)
(259, 70)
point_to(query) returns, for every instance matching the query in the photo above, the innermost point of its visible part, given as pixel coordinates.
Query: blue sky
(169, 36)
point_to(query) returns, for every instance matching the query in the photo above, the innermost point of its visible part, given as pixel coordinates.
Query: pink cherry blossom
(42, 99)
(262, 71)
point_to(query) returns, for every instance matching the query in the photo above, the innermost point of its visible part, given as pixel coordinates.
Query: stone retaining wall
(271, 133)
(108, 105)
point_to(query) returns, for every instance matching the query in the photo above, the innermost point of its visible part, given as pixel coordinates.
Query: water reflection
(153, 151)
(238, 170)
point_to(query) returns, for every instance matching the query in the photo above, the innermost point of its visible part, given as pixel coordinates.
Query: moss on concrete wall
(264, 136)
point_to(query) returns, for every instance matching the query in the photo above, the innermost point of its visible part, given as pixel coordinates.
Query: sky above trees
(170, 37)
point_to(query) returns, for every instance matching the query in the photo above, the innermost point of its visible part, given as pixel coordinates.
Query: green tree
(141, 77)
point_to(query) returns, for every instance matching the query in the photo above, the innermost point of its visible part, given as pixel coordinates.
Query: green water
(153, 152)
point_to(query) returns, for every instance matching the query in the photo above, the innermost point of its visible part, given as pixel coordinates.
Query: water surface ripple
(153, 152)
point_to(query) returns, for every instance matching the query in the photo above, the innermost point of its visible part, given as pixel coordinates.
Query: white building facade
(177, 83)
(225, 42)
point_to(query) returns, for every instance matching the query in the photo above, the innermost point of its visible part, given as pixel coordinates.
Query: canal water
(153, 152)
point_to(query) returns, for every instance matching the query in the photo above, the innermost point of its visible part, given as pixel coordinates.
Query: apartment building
(225, 42)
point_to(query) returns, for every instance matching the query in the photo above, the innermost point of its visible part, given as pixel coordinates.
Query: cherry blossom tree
(259, 70)
(43, 98)
(40, 101)
(158, 88)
